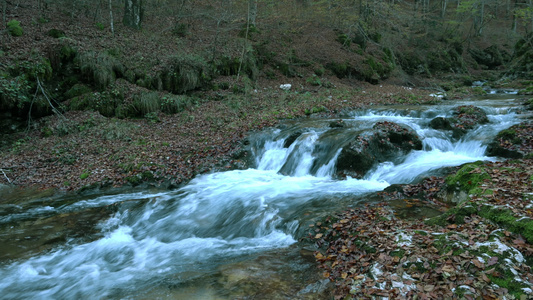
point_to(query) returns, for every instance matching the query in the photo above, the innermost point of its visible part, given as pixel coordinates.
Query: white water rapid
(218, 217)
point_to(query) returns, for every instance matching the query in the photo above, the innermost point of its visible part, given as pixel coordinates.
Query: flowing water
(224, 235)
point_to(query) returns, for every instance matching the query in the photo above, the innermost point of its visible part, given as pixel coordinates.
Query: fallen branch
(41, 89)
(8, 180)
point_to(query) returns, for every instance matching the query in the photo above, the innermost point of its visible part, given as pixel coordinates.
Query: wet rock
(497, 149)
(387, 141)
(337, 124)
(440, 123)
(511, 143)
(295, 135)
(464, 118)
(464, 182)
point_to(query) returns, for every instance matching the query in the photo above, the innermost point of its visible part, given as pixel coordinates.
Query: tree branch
(8, 180)
(41, 89)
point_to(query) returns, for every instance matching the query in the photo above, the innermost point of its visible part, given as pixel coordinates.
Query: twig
(8, 180)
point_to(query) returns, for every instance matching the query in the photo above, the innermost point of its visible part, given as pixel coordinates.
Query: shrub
(99, 68)
(14, 28)
(56, 33)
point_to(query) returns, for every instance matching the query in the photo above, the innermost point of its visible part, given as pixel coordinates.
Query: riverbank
(83, 149)
(402, 248)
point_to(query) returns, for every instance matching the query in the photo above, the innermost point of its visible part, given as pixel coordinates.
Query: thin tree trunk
(133, 13)
(481, 17)
(514, 23)
(531, 8)
(444, 6)
(252, 11)
(111, 17)
(4, 11)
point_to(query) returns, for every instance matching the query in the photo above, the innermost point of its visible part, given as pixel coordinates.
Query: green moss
(509, 135)
(505, 218)
(468, 178)
(478, 91)
(320, 71)
(398, 253)
(341, 70)
(77, 90)
(344, 39)
(454, 215)
(14, 28)
(314, 80)
(85, 174)
(315, 110)
(101, 69)
(506, 279)
(361, 244)
(134, 180)
(185, 73)
(56, 33)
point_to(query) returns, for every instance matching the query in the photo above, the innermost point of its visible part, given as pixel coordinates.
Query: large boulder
(465, 117)
(515, 142)
(387, 141)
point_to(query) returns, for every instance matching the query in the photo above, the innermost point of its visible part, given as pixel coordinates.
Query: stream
(225, 235)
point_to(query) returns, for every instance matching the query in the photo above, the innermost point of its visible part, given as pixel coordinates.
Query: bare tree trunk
(133, 13)
(531, 8)
(444, 6)
(4, 11)
(111, 17)
(515, 21)
(253, 11)
(507, 8)
(481, 17)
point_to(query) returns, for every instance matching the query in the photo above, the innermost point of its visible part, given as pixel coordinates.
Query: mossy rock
(506, 144)
(468, 178)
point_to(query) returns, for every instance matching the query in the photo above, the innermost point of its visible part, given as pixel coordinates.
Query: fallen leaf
(478, 263)
(429, 288)
(448, 268)
(492, 261)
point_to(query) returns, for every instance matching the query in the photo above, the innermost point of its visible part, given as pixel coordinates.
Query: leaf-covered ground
(479, 249)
